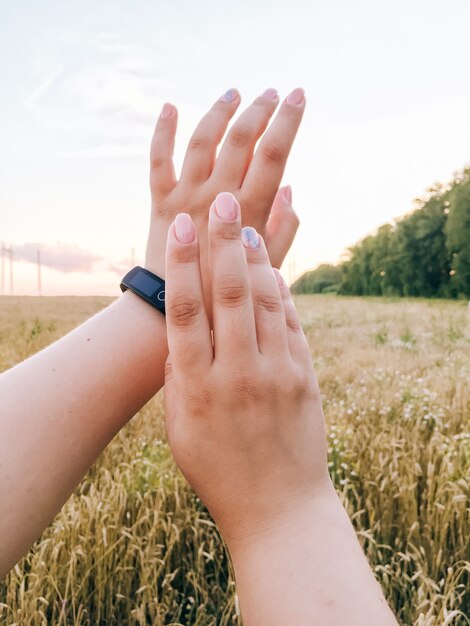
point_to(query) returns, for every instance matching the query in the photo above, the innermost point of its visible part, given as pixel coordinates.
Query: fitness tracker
(146, 285)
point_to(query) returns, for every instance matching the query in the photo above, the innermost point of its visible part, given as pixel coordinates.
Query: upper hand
(252, 176)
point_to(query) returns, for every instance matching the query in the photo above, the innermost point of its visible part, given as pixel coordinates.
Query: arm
(61, 407)
(245, 424)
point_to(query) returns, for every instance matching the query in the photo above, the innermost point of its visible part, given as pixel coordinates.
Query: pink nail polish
(280, 280)
(296, 97)
(184, 228)
(287, 193)
(250, 237)
(226, 206)
(229, 96)
(167, 111)
(270, 94)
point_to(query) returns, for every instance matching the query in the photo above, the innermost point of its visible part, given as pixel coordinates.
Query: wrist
(156, 246)
(138, 311)
(281, 523)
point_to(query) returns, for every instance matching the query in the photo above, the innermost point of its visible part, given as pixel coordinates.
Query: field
(135, 546)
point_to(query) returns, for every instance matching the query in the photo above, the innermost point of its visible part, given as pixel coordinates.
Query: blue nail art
(250, 237)
(229, 96)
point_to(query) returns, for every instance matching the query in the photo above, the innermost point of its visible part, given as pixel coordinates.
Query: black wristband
(146, 285)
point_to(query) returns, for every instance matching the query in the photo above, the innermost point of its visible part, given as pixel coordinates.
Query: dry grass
(135, 546)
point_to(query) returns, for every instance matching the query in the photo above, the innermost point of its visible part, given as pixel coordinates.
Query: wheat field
(135, 546)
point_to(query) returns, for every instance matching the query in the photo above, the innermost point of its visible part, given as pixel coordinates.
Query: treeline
(425, 253)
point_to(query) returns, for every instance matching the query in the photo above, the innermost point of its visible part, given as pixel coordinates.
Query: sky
(82, 83)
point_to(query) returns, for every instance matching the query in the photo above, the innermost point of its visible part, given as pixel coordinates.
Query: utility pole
(39, 271)
(10, 251)
(3, 268)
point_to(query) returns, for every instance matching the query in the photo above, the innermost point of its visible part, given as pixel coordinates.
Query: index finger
(265, 172)
(189, 336)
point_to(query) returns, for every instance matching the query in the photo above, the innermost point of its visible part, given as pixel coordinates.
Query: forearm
(310, 570)
(61, 407)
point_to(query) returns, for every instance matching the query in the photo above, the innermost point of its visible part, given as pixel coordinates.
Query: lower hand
(243, 412)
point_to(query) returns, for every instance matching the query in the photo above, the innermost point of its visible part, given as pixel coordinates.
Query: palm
(252, 176)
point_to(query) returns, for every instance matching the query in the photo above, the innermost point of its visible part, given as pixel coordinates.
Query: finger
(237, 149)
(267, 303)
(281, 227)
(200, 155)
(189, 337)
(162, 170)
(267, 167)
(298, 345)
(232, 307)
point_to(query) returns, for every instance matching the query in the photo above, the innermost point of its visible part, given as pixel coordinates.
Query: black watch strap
(147, 286)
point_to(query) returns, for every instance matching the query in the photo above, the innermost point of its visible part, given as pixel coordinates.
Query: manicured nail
(167, 111)
(296, 97)
(250, 237)
(287, 193)
(226, 207)
(280, 280)
(270, 93)
(229, 96)
(184, 228)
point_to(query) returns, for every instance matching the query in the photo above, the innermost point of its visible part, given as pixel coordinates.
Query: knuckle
(156, 163)
(183, 311)
(293, 385)
(246, 387)
(254, 259)
(184, 254)
(228, 233)
(198, 142)
(239, 136)
(231, 291)
(293, 324)
(265, 302)
(266, 104)
(292, 218)
(201, 399)
(168, 369)
(300, 390)
(272, 153)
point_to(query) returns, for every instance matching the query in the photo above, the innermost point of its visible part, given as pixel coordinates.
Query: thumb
(281, 226)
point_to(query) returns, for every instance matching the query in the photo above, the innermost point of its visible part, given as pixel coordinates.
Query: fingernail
(184, 228)
(167, 111)
(270, 93)
(280, 280)
(226, 207)
(250, 237)
(296, 97)
(287, 193)
(229, 96)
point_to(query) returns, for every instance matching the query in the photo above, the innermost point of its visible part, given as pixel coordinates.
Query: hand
(245, 424)
(254, 178)
(244, 416)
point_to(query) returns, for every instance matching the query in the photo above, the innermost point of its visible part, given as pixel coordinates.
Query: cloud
(105, 151)
(93, 91)
(121, 267)
(63, 258)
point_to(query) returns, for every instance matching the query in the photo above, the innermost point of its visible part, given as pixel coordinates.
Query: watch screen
(145, 284)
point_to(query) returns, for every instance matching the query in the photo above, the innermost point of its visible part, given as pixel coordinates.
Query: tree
(324, 278)
(421, 253)
(458, 233)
